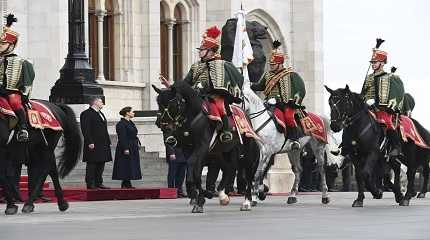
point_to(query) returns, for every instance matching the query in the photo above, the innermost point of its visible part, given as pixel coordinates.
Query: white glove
(271, 101)
(370, 102)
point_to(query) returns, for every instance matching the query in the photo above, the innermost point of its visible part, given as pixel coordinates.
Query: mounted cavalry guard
(16, 78)
(284, 89)
(217, 80)
(384, 92)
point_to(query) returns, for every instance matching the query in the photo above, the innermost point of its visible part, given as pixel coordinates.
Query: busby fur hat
(8, 35)
(211, 38)
(277, 56)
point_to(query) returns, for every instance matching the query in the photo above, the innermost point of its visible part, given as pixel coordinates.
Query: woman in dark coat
(127, 160)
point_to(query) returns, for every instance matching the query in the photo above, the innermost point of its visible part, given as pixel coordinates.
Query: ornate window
(108, 38)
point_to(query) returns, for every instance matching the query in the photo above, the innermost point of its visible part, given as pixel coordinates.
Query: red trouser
(15, 101)
(217, 106)
(286, 116)
(385, 118)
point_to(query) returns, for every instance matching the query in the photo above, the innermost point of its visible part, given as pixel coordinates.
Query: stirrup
(294, 145)
(22, 135)
(225, 136)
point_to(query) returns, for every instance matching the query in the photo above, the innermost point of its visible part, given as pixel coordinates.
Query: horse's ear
(347, 87)
(156, 89)
(328, 89)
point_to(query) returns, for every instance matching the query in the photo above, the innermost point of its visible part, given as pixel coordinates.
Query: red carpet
(82, 194)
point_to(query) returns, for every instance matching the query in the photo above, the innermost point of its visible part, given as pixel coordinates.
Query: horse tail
(72, 142)
(425, 134)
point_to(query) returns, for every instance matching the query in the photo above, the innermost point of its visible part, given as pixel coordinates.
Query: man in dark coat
(96, 143)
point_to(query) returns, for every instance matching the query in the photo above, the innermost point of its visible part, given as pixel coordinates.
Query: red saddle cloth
(408, 130)
(238, 119)
(312, 124)
(39, 116)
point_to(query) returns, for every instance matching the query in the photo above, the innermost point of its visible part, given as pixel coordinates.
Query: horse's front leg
(8, 190)
(358, 202)
(320, 157)
(294, 157)
(195, 167)
(368, 173)
(412, 169)
(396, 186)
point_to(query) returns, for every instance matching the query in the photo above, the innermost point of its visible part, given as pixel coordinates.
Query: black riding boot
(395, 144)
(22, 135)
(226, 135)
(292, 134)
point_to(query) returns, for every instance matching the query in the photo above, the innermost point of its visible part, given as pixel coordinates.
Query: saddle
(239, 121)
(310, 123)
(38, 115)
(407, 129)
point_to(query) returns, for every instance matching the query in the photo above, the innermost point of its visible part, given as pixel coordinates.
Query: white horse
(274, 142)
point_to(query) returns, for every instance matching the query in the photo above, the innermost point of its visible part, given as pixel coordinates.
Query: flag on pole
(242, 53)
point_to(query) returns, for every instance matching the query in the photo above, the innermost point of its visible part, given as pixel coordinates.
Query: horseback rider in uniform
(285, 89)
(384, 92)
(217, 80)
(16, 77)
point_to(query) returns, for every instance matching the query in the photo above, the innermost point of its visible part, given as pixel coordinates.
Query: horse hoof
(399, 198)
(253, 203)
(325, 200)
(262, 196)
(291, 200)
(225, 201)
(197, 209)
(193, 201)
(266, 188)
(11, 210)
(63, 206)
(404, 202)
(421, 195)
(357, 203)
(245, 207)
(378, 195)
(28, 208)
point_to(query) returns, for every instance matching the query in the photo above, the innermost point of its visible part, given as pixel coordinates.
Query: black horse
(361, 131)
(256, 32)
(184, 122)
(38, 154)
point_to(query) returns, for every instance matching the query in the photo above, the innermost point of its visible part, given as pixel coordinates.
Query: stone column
(170, 24)
(100, 13)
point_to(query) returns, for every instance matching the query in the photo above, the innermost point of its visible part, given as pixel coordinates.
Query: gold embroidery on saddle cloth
(307, 123)
(34, 119)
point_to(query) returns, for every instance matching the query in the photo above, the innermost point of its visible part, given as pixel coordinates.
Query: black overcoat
(94, 130)
(127, 167)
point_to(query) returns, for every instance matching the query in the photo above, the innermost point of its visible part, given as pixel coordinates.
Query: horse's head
(171, 115)
(344, 104)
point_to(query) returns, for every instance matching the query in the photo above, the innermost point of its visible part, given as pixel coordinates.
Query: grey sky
(350, 30)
